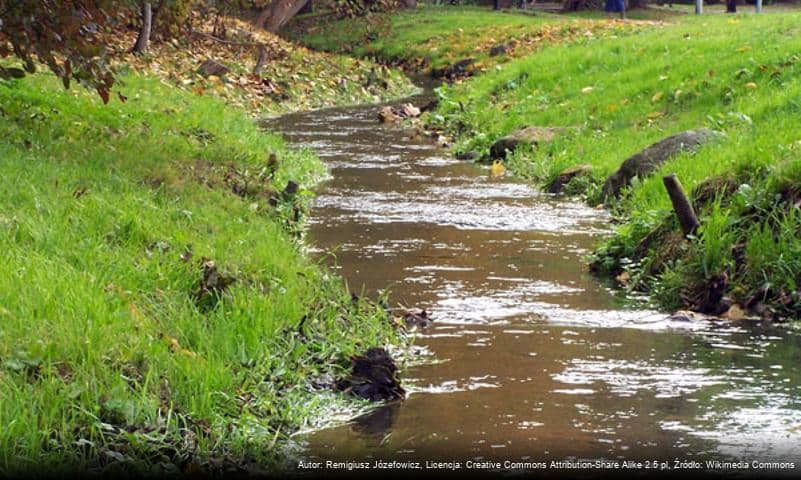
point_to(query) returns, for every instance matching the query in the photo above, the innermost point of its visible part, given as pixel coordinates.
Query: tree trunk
(681, 205)
(263, 16)
(260, 61)
(731, 6)
(143, 40)
(410, 3)
(281, 11)
(496, 4)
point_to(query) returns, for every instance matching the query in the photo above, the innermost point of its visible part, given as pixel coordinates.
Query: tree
(278, 13)
(62, 34)
(143, 39)
(731, 6)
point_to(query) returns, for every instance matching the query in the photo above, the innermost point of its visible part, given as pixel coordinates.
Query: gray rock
(211, 67)
(566, 175)
(644, 163)
(499, 49)
(525, 136)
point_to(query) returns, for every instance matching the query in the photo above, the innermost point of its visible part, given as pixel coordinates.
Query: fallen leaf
(497, 169)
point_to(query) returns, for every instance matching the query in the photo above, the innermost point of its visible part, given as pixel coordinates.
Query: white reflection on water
(626, 378)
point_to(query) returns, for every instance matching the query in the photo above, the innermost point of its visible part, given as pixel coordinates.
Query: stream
(529, 357)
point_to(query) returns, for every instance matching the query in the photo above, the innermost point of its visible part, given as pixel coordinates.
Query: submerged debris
(373, 377)
(416, 319)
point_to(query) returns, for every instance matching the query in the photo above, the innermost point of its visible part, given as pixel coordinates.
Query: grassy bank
(736, 74)
(118, 347)
(437, 37)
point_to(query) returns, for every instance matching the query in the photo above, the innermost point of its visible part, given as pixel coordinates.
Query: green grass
(435, 37)
(737, 73)
(105, 357)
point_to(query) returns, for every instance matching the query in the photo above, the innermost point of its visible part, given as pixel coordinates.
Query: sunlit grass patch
(107, 216)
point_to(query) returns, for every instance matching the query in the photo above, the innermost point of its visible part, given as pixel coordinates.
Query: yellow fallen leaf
(657, 97)
(654, 115)
(612, 107)
(587, 90)
(497, 169)
(751, 85)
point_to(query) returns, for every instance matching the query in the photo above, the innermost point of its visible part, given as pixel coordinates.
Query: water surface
(529, 356)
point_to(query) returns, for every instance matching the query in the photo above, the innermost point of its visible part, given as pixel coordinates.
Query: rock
(566, 175)
(410, 111)
(734, 313)
(711, 300)
(417, 319)
(430, 105)
(291, 189)
(212, 284)
(525, 136)
(765, 312)
(469, 156)
(644, 163)
(460, 69)
(373, 377)
(499, 49)
(388, 115)
(211, 67)
(688, 316)
(7, 73)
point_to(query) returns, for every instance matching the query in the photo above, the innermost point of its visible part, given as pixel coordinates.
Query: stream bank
(529, 356)
(619, 88)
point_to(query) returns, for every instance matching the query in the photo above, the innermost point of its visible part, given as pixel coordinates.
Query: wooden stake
(681, 205)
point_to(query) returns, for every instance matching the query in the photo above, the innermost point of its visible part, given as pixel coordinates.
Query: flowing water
(529, 357)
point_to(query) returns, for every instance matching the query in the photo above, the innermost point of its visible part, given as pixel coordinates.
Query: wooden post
(699, 7)
(681, 205)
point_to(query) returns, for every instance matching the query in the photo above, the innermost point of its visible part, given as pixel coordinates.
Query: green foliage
(61, 34)
(106, 216)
